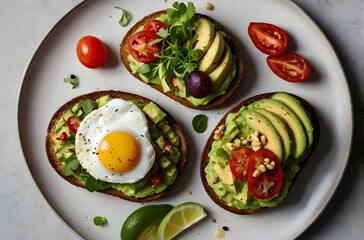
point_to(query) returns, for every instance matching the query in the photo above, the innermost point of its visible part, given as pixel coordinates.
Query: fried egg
(113, 143)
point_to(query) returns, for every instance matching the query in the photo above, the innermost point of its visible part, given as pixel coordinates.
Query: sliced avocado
(225, 174)
(260, 123)
(213, 54)
(162, 73)
(219, 74)
(65, 150)
(154, 112)
(163, 162)
(300, 111)
(281, 128)
(174, 155)
(205, 32)
(171, 170)
(63, 119)
(243, 194)
(293, 122)
(103, 100)
(179, 87)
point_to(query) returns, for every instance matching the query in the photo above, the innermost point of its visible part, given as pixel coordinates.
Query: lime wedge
(180, 218)
(143, 223)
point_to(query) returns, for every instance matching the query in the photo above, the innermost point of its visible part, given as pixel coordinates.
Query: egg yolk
(119, 152)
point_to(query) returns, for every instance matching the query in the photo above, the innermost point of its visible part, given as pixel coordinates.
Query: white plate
(43, 92)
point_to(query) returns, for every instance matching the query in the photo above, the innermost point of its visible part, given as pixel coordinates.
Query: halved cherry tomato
(154, 180)
(154, 26)
(239, 162)
(91, 52)
(73, 123)
(172, 83)
(267, 183)
(268, 38)
(63, 136)
(289, 66)
(140, 49)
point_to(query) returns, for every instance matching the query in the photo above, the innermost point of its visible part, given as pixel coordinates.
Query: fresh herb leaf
(163, 33)
(86, 107)
(72, 163)
(92, 184)
(124, 19)
(222, 153)
(72, 79)
(199, 123)
(145, 68)
(100, 221)
(178, 57)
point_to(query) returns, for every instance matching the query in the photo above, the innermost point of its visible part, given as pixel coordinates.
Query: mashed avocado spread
(263, 117)
(163, 138)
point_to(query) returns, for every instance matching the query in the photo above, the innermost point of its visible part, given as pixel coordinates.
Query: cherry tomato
(268, 38)
(154, 26)
(63, 137)
(267, 183)
(289, 66)
(172, 83)
(140, 49)
(154, 180)
(73, 123)
(239, 162)
(91, 52)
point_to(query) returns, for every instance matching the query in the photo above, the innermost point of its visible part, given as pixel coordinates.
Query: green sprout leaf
(91, 184)
(178, 57)
(100, 221)
(72, 163)
(72, 79)
(199, 123)
(86, 107)
(145, 68)
(124, 19)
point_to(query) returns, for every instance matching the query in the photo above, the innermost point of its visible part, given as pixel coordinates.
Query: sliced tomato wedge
(268, 38)
(140, 48)
(239, 163)
(154, 26)
(289, 66)
(154, 180)
(265, 184)
(73, 123)
(62, 137)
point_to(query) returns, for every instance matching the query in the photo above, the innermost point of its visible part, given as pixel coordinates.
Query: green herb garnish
(199, 123)
(124, 19)
(178, 57)
(91, 184)
(72, 79)
(100, 221)
(72, 163)
(86, 107)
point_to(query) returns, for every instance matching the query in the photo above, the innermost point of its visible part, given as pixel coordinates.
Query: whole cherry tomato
(91, 52)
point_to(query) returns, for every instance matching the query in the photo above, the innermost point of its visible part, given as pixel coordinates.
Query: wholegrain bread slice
(205, 159)
(219, 100)
(58, 165)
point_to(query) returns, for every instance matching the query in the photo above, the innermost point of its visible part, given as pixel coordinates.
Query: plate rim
(292, 5)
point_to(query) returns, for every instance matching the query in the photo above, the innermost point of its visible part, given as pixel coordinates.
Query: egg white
(116, 115)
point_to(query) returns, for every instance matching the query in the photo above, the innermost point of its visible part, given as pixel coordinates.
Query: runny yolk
(119, 152)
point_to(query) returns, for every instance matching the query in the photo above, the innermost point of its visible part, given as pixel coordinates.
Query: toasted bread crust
(233, 43)
(58, 166)
(204, 157)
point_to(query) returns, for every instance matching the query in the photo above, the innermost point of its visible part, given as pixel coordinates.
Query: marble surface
(24, 213)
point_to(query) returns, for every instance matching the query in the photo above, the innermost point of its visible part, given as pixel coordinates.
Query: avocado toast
(164, 134)
(206, 48)
(257, 150)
